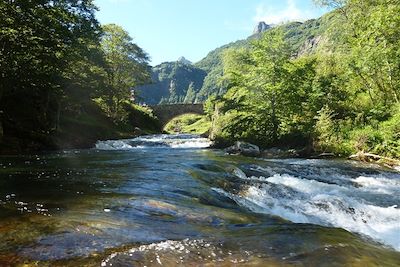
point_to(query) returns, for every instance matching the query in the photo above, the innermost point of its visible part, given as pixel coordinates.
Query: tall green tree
(369, 29)
(126, 67)
(259, 88)
(38, 39)
(271, 59)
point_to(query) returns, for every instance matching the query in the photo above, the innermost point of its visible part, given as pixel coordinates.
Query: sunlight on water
(142, 201)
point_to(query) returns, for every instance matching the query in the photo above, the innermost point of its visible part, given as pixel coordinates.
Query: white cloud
(277, 16)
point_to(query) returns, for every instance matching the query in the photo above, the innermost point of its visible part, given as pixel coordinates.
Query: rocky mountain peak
(261, 27)
(184, 61)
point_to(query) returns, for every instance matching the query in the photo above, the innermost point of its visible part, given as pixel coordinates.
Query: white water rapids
(367, 204)
(155, 141)
(304, 191)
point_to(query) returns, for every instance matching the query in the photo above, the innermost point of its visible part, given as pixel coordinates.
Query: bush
(382, 139)
(189, 123)
(324, 131)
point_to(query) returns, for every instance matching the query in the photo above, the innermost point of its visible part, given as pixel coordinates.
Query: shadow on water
(188, 206)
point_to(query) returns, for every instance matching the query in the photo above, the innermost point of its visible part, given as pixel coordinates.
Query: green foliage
(212, 64)
(190, 94)
(382, 138)
(126, 68)
(54, 60)
(336, 94)
(143, 118)
(43, 44)
(189, 123)
(303, 38)
(325, 131)
(268, 92)
(374, 48)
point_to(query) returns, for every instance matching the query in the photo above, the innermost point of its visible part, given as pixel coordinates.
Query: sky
(169, 29)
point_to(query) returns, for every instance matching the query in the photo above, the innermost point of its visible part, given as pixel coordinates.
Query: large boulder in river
(137, 131)
(245, 149)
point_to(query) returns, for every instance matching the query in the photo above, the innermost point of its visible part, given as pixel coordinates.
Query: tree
(38, 40)
(258, 88)
(373, 43)
(271, 57)
(126, 67)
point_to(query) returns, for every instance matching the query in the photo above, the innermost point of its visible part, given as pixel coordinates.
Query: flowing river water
(167, 200)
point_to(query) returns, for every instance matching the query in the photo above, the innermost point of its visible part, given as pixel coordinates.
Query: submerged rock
(245, 149)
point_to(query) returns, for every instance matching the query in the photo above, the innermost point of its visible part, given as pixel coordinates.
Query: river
(167, 200)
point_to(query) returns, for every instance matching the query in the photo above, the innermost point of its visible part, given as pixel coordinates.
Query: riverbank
(202, 125)
(251, 150)
(78, 130)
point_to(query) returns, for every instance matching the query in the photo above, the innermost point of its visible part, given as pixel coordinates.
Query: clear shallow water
(167, 200)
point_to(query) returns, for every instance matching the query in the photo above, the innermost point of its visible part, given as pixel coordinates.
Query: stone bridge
(165, 113)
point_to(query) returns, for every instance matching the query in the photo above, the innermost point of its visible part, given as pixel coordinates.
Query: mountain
(182, 81)
(172, 82)
(261, 27)
(183, 60)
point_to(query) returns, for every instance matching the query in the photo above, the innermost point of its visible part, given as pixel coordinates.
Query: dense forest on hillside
(337, 92)
(65, 79)
(172, 82)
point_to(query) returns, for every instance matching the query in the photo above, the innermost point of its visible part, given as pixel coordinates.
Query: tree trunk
(57, 122)
(274, 119)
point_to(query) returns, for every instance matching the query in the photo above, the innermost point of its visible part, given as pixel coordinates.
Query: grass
(189, 123)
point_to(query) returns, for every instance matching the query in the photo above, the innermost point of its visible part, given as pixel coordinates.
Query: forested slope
(62, 71)
(330, 85)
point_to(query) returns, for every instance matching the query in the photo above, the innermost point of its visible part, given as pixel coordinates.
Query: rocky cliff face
(261, 27)
(183, 60)
(310, 46)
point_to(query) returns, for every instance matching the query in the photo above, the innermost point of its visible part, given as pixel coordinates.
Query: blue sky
(169, 29)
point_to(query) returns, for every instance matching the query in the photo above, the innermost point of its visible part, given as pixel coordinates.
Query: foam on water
(379, 184)
(155, 141)
(337, 205)
(113, 145)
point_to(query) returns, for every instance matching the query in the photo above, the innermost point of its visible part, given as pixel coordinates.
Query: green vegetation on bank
(65, 79)
(189, 123)
(342, 98)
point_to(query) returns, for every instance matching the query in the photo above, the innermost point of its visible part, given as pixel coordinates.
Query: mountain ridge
(303, 37)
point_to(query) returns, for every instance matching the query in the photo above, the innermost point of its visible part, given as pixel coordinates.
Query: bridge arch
(165, 113)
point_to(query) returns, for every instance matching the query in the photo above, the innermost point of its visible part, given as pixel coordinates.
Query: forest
(65, 79)
(342, 99)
